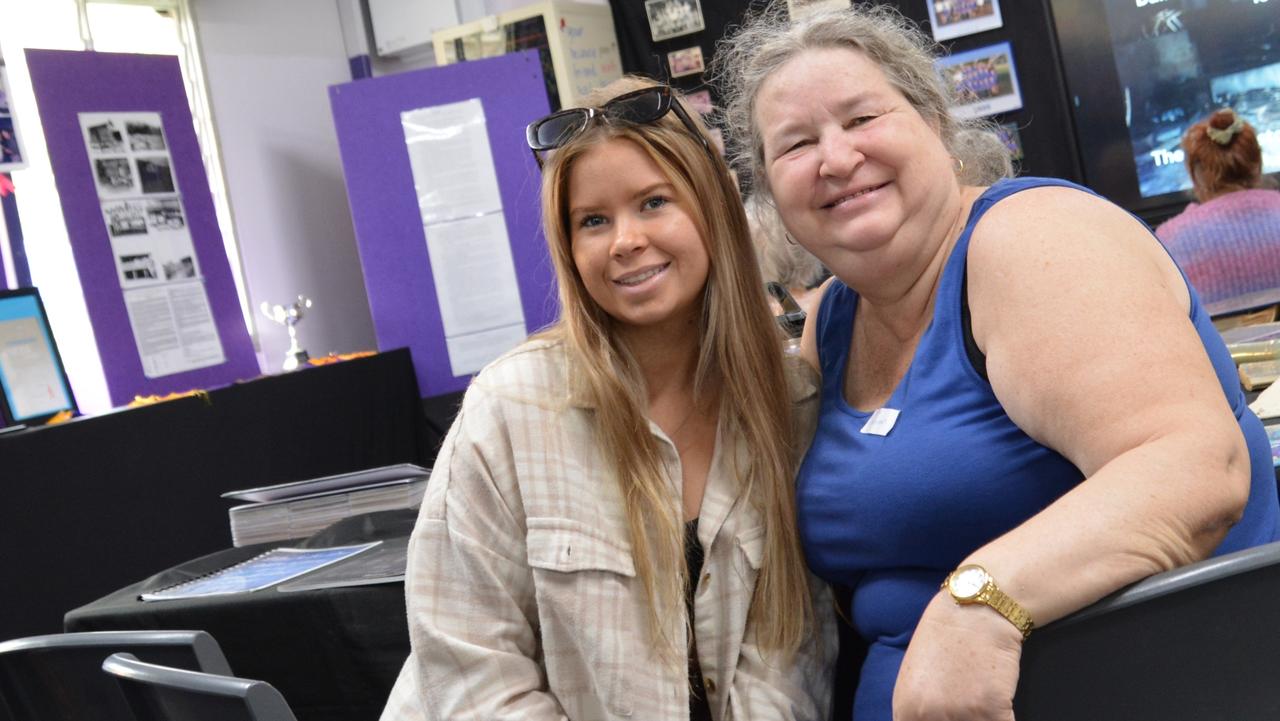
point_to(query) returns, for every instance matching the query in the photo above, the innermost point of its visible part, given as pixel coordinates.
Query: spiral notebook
(262, 571)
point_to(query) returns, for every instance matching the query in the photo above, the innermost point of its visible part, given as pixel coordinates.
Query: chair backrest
(59, 677)
(160, 693)
(1198, 642)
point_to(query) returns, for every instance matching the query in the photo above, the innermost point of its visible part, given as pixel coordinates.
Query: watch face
(967, 582)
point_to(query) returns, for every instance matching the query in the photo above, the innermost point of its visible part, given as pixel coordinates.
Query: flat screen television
(33, 383)
(1140, 72)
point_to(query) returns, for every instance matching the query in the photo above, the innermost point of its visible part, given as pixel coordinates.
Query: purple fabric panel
(384, 206)
(67, 83)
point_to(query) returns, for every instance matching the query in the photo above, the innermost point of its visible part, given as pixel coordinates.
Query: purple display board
(384, 206)
(68, 83)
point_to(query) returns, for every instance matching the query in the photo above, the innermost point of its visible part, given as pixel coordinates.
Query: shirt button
(710, 684)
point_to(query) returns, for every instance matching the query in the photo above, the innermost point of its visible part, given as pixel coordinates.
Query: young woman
(609, 531)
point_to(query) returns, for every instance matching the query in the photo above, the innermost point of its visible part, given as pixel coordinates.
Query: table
(99, 502)
(333, 653)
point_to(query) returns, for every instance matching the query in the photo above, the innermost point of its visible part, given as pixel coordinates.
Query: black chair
(161, 693)
(59, 677)
(1199, 642)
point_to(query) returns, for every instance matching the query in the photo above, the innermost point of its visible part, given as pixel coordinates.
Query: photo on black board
(957, 18)
(673, 18)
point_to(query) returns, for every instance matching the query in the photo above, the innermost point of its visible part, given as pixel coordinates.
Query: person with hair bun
(1228, 242)
(1024, 405)
(609, 530)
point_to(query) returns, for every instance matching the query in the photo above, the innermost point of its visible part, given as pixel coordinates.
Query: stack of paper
(297, 510)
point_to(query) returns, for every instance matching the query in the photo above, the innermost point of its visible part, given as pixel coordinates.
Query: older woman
(609, 531)
(1023, 402)
(1228, 242)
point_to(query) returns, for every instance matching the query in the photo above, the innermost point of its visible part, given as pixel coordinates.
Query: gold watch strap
(1007, 607)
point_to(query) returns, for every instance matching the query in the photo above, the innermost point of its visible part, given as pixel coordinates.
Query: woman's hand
(962, 664)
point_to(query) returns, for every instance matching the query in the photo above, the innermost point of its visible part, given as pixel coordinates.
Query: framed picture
(983, 81)
(801, 8)
(673, 18)
(1008, 134)
(685, 62)
(700, 101)
(956, 18)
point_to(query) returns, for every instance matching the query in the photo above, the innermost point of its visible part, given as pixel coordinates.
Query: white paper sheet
(174, 329)
(451, 160)
(474, 274)
(29, 369)
(470, 353)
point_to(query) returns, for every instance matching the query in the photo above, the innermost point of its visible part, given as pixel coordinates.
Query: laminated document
(261, 571)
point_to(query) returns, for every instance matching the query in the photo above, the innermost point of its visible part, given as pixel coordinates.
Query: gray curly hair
(769, 38)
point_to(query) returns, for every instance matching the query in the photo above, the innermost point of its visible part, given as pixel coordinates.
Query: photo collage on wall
(11, 154)
(983, 80)
(670, 19)
(151, 242)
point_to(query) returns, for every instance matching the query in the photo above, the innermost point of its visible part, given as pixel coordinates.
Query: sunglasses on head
(635, 108)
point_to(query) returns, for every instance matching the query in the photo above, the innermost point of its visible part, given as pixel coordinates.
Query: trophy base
(293, 360)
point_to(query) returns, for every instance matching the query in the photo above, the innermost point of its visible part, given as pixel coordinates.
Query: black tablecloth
(333, 653)
(94, 504)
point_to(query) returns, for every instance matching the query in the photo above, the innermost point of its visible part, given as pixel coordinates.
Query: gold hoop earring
(790, 240)
(959, 163)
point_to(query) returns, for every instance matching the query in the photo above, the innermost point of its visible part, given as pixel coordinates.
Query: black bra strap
(971, 349)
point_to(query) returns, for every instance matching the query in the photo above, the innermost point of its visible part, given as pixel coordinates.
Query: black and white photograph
(144, 135)
(180, 269)
(124, 217)
(673, 18)
(685, 62)
(106, 137)
(138, 267)
(165, 214)
(155, 175)
(114, 176)
(957, 18)
(983, 81)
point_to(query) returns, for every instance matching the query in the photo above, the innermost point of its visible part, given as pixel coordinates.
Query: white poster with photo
(151, 242)
(174, 328)
(451, 161)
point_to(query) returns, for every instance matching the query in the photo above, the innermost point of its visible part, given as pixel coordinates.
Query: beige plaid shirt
(522, 597)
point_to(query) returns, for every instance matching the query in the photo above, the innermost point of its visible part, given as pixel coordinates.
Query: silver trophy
(289, 316)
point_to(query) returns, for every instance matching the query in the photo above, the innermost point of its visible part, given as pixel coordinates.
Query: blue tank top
(888, 516)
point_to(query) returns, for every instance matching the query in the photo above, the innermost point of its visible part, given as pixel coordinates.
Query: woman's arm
(470, 591)
(1084, 322)
(809, 337)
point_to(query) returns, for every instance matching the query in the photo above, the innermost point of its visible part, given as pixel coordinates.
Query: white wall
(268, 67)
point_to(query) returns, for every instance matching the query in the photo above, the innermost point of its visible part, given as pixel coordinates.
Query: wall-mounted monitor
(1140, 72)
(33, 383)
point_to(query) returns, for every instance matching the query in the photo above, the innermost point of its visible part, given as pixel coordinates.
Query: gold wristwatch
(972, 584)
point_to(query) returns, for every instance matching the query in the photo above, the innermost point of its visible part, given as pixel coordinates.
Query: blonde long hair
(740, 355)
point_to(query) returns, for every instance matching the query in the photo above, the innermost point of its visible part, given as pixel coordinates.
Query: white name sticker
(881, 422)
